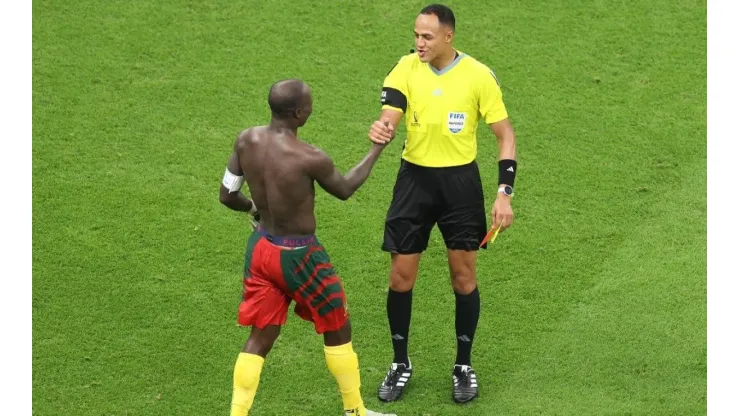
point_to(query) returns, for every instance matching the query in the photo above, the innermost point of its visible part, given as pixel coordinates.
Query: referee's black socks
(467, 311)
(399, 318)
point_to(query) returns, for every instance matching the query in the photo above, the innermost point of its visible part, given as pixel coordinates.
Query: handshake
(382, 132)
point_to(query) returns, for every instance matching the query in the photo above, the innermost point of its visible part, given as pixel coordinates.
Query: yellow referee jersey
(442, 108)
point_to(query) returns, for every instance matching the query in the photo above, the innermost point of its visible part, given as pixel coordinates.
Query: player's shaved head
(290, 101)
(287, 96)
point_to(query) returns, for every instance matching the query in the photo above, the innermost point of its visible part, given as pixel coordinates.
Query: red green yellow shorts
(279, 270)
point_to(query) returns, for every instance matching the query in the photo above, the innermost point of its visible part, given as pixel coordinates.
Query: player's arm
(494, 113)
(323, 171)
(231, 184)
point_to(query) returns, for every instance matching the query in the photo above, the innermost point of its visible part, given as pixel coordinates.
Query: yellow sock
(246, 379)
(343, 364)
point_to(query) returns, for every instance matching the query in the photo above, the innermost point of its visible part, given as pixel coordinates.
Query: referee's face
(432, 38)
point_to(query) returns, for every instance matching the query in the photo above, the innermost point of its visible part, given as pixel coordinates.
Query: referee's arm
(394, 102)
(504, 133)
(494, 112)
(502, 215)
(384, 129)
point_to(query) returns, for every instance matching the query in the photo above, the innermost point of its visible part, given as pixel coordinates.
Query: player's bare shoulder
(250, 138)
(317, 161)
(316, 153)
(248, 135)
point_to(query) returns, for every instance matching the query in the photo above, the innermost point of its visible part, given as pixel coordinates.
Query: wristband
(506, 171)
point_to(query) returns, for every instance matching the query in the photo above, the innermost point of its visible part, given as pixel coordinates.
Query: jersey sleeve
(490, 99)
(395, 86)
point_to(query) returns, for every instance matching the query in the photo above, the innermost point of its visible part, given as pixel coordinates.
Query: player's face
(432, 38)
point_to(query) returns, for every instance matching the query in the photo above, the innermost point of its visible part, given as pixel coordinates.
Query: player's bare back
(276, 166)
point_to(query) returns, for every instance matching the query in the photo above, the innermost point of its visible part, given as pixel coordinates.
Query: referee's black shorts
(451, 197)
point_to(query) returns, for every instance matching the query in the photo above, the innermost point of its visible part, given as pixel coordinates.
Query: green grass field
(593, 303)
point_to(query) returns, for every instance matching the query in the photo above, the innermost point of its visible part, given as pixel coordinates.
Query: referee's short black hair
(443, 13)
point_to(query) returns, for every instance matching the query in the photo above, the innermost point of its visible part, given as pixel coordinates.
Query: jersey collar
(447, 69)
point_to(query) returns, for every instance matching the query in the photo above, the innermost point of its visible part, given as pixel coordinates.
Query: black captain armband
(393, 98)
(507, 171)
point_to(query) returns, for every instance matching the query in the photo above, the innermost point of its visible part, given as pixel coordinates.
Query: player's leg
(463, 227)
(260, 341)
(320, 298)
(248, 368)
(408, 224)
(344, 366)
(264, 307)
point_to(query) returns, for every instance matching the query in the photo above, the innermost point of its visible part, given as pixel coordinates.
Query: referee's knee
(401, 280)
(404, 268)
(463, 282)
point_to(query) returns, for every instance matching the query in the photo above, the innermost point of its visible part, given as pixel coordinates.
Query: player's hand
(381, 132)
(254, 212)
(501, 213)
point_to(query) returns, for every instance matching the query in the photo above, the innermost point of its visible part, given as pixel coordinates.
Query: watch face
(508, 190)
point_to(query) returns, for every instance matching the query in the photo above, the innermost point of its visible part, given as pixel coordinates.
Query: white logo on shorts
(456, 122)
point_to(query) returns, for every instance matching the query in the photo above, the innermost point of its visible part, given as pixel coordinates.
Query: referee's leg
(467, 301)
(404, 269)
(463, 227)
(408, 225)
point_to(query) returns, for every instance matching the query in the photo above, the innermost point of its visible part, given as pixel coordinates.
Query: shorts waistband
(301, 241)
(464, 166)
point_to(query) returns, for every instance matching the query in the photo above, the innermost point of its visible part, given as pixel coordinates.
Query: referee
(444, 93)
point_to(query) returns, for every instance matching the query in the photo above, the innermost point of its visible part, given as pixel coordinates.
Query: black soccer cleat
(464, 384)
(395, 382)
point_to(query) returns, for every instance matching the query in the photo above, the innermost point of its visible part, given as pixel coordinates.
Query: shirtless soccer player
(284, 260)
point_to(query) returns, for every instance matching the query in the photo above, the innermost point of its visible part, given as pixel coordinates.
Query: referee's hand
(501, 213)
(381, 132)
